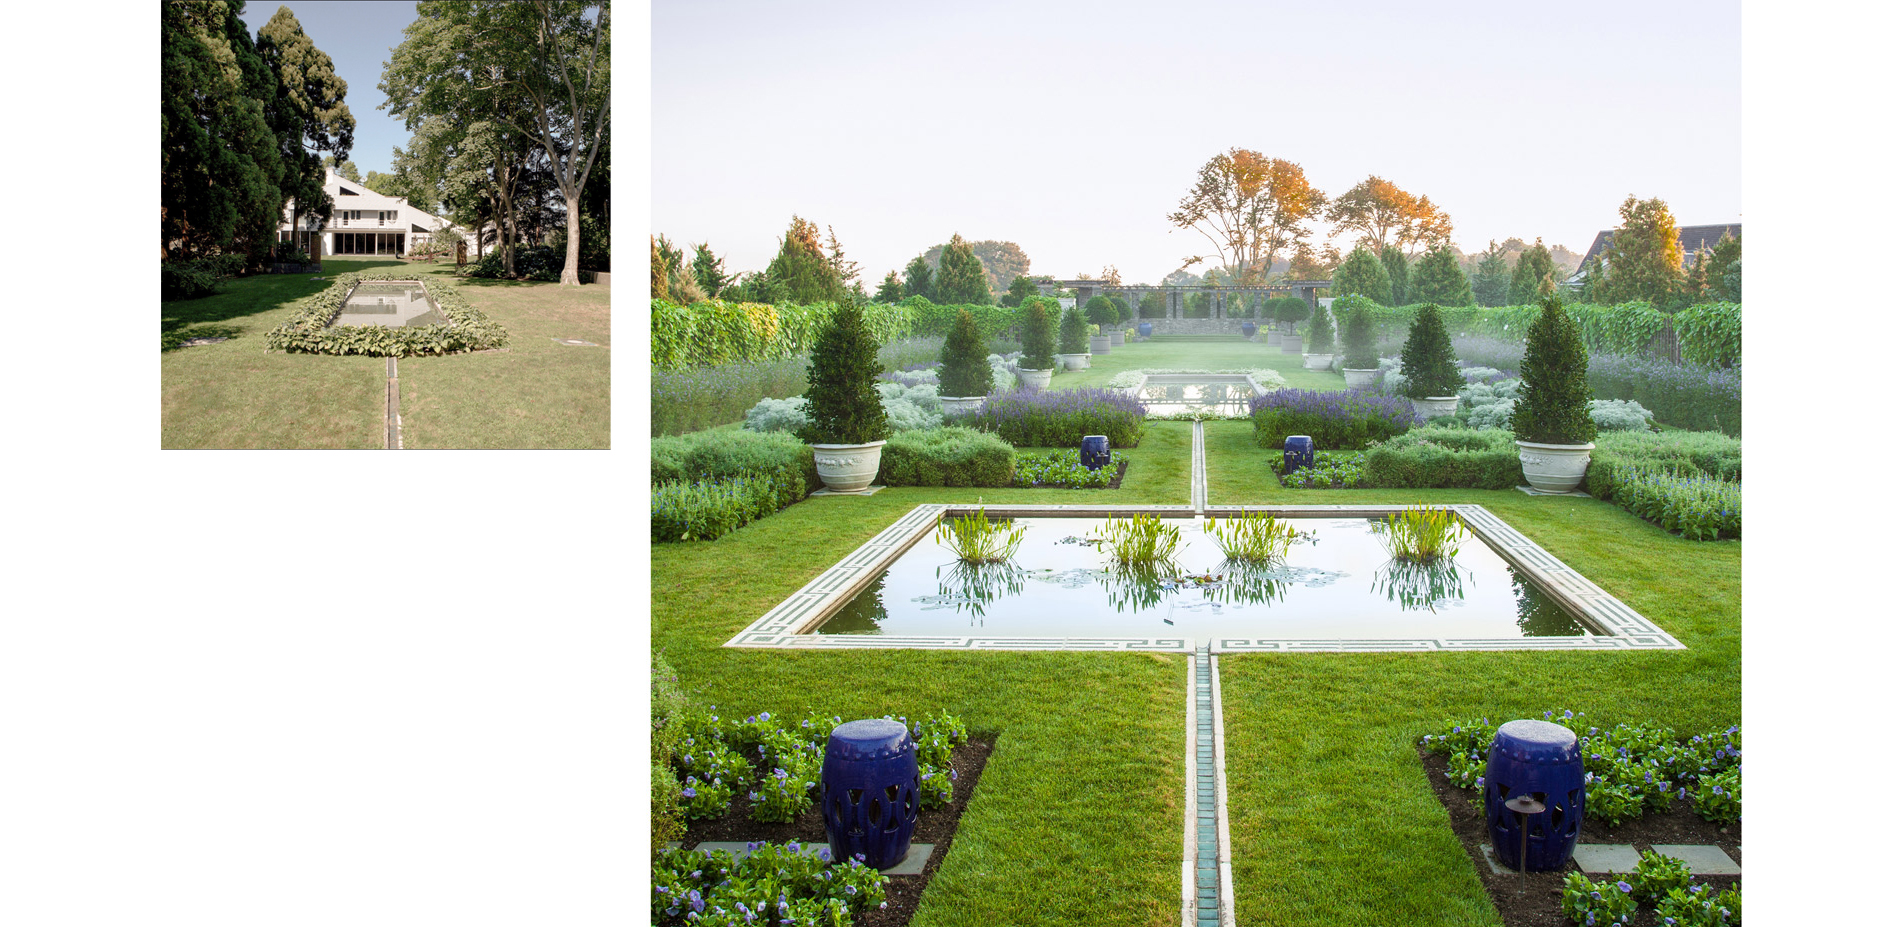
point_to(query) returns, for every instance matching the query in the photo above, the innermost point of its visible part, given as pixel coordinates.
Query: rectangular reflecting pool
(1336, 589)
(1211, 393)
(394, 303)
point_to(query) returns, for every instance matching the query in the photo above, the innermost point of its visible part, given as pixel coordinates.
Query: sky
(357, 35)
(1075, 129)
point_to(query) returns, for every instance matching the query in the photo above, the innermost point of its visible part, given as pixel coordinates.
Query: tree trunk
(571, 273)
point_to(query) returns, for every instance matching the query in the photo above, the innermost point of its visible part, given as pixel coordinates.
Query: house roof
(1694, 238)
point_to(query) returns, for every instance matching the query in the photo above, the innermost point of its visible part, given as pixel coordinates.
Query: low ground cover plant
(1629, 770)
(1061, 418)
(1334, 420)
(1659, 882)
(1064, 470)
(775, 884)
(1683, 481)
(948, 456)
(906, 408)
(1330, 470)
(308, 331)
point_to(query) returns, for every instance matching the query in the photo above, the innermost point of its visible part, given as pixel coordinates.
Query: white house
(365, 222)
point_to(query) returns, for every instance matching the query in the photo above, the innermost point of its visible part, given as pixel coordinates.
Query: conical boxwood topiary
(966, 367)
(1039, 335)
(1319, 333)
(842, 398)
(1075, 332)
(1360, 351)
(1430, 367)
(1553, 404)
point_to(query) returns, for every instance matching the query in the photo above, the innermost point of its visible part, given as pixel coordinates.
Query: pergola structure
(1176, 296)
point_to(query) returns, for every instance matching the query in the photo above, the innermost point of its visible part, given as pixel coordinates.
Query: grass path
(1198, 355)
(533, 394)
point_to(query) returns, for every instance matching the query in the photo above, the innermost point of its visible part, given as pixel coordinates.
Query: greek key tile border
(790, 623)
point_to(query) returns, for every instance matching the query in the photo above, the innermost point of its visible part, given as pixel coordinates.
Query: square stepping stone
(1702, 859)
(1605, 857)
(867, 491)
(913, 862)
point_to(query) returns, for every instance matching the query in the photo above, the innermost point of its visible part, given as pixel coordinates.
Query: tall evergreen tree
(1395, 271)
(1360, 350)
(1438, 279)
(1533, 271)
(1039, 338)
(1363, 273)
(710, 271)
(960, 276)
(1491, 284)
(917, 280)
(1427, 361)
(803, 268)
(1553, 402)
(891, 290)
(1018, 289)
(966, 370)
(842, 396)
(1644, 256)
(308, 112)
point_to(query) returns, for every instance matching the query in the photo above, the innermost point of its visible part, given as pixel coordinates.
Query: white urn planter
(1290, 344)
(1318, 361)
(959, 405)
(1074, 361)
(1098, 344)
(1034, 380)
(1361, 379)
(847, 467)
(1554, 468)
(1434, 406)
(1116, 339)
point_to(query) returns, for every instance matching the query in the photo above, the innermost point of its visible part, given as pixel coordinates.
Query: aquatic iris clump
(1254, 537)
(1422, 535)
(976, 539)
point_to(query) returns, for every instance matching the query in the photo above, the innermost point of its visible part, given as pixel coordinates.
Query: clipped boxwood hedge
(951, 456)
(309, 330)
(1436, 457)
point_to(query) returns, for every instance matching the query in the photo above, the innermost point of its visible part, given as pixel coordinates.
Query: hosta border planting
(309, 330)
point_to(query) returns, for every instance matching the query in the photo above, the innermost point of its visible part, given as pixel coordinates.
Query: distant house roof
(1694, 239)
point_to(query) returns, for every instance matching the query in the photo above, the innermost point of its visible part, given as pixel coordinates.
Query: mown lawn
(535, 393)
(1078, 818)
(1224, 354)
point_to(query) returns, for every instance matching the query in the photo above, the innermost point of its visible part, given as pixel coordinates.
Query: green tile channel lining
(1207, 872)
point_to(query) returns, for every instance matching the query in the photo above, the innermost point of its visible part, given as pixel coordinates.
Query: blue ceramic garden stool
(1145, 329)
(869, 791)
(1539, 759)
(1095, 451)
(1298, 454)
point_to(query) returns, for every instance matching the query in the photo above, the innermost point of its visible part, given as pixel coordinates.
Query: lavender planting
(1334, 420)
(1061, 418)
(1686, 396)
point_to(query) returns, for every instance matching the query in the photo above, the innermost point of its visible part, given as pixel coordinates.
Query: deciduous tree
(1643, 259)
(1250, 208)
(1380, 215)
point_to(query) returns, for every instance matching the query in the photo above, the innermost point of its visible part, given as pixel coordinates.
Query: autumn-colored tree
(1308, 264)
(1383, 216)
(1363, 273)
(1533, 273)
(1643, 259)
(1251, 208)
(1437, 279)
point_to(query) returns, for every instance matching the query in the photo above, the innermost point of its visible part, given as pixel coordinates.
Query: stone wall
(1195, 326)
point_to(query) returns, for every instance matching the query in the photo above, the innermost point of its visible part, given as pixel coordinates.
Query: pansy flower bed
(1644, 786)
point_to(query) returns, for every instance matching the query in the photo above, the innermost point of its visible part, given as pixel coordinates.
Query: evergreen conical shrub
(966, 366)
(1075, 332)
(1360, 351)
(1319, 333)
(842, 398)
(1553, 403)
(1429, 366)
(1039, 335)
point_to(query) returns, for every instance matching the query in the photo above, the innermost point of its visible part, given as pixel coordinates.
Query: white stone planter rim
(1558, 447)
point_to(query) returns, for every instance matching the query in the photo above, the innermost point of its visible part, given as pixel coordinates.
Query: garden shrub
(1061, 418)
(708, 484)
(1706, 452)
(965, 370)
(719, 332)
(1099, 311)
(696, 398)
(910, 408)
(1360, 354)
(701, 510)
(842, 400)
(666, 710)
(1438, 457)
(1687, 396)
(1075, 332)
(308, 331)
(1319, 333)
(949, 456)
(729, 452)
(1429, 366)
(181, 279)
(1334, 420)
(771, 415)
(1330, 470)
(536, 262)
(1553, 402)
(1039, 341)
(1701, 507)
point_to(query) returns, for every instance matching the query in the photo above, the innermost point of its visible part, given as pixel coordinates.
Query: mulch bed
(1540, 904)
(901, 892)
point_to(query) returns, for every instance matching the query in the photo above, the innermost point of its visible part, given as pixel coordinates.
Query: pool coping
(344, 307)
(789, 624)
